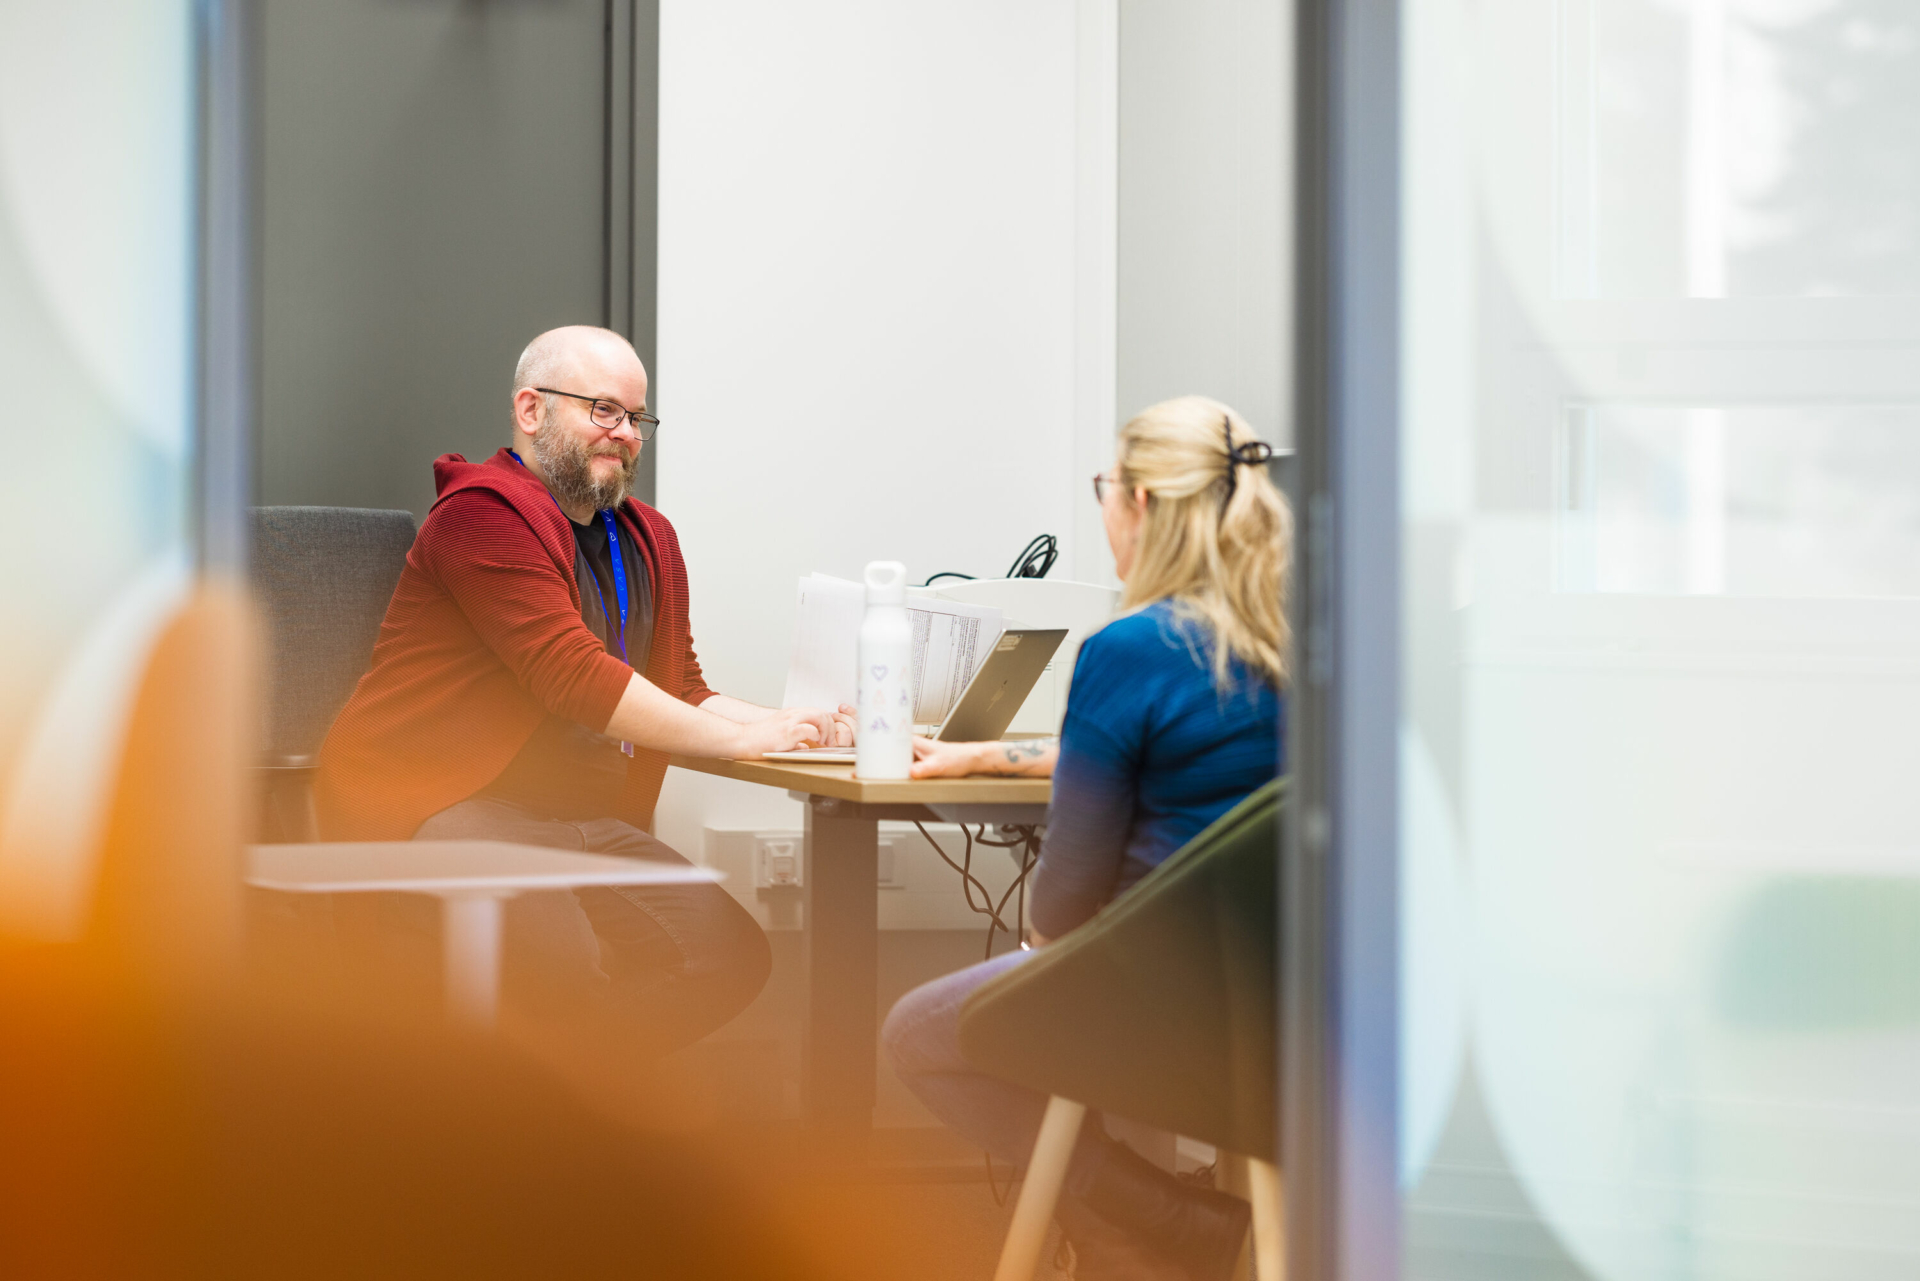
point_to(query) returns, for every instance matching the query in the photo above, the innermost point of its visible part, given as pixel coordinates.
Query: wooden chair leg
(1230, 1176)
(1269, 1197)
(1040, 1189)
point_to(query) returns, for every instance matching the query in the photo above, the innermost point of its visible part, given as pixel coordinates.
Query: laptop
(987, 705)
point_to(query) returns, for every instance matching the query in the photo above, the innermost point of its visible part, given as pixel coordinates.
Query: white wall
(866, 312)
(1204, 195)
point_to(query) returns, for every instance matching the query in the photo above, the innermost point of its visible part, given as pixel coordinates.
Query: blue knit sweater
(1151, 752)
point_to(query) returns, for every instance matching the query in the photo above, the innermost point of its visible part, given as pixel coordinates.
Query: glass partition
(97, 351)
(1661, 520)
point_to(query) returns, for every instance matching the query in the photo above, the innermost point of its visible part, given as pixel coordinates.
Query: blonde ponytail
(1217, 537)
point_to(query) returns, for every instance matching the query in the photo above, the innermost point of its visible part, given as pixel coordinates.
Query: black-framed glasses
(607, 415)
(1100, 482)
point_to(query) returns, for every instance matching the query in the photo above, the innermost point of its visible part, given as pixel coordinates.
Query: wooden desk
(840, 888)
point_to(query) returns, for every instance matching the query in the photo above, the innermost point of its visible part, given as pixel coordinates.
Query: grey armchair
(323, 577)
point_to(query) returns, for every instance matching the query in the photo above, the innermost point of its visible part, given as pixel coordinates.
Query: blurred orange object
(164, 1116)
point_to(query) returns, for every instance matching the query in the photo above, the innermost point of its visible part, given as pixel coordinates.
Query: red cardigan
(482, 640)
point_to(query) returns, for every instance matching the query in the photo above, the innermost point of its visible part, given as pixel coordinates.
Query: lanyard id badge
(620, 593)
(619, 579)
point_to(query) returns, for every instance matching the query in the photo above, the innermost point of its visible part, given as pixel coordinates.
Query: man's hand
(720, 727)
(782, 731)
(836, 728)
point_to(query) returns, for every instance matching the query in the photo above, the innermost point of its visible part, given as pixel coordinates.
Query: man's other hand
(787, 730)
(836, 728)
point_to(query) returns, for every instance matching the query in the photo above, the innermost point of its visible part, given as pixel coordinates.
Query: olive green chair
(1164, 1010)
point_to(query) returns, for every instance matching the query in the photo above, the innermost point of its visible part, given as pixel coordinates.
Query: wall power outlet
(778, 859)
(767, 873)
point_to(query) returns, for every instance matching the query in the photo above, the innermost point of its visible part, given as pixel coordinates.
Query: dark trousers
(679, 960)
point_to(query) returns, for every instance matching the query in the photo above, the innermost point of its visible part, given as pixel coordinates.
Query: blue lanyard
(619, 571)
(619, 579)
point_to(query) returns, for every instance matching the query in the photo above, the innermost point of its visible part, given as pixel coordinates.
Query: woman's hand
(934, 759)
(1025, 757)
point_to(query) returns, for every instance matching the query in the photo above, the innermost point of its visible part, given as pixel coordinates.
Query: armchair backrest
(1163, 1009)
(323, 577)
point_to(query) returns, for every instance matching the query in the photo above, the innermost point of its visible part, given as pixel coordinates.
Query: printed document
(950, 639)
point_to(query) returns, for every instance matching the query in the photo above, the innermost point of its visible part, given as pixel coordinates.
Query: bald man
(534, 671)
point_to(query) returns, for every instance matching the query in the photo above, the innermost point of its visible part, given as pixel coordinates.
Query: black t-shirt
(568, 770)
(600, 608)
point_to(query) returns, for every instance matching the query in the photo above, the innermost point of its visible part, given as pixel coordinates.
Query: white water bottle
(883, 747)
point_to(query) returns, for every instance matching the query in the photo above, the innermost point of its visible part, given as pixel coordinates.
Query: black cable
(1027, 837)
(1034, 561)
(1036, 558)
(968, 881)
(995, 921)
(1020, 915)
(967, 876)
(1027, 863)
(1032, 857)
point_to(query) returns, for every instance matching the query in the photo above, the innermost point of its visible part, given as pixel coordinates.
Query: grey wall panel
(434, 195)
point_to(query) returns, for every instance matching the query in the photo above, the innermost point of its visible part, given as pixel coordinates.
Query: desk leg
(471, 929)
(843, 941)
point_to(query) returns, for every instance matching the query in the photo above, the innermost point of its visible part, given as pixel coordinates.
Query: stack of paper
(950, 639)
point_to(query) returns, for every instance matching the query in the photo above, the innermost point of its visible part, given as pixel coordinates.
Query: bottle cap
(886, 582)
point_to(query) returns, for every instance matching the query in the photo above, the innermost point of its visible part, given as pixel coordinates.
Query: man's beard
(568, 466)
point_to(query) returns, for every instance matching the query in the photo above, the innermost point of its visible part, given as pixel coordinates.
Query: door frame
(1340, 952)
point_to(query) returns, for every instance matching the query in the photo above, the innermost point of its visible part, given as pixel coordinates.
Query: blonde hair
(1216, 538)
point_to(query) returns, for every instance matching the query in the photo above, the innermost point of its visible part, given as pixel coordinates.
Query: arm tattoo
(1024, 751)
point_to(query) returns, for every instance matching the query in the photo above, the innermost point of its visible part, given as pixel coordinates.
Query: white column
(1706, 150)
(1706, 501)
